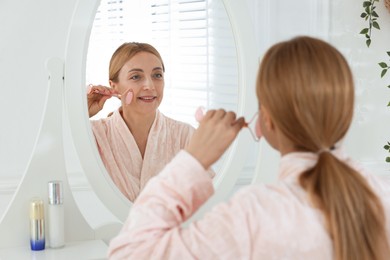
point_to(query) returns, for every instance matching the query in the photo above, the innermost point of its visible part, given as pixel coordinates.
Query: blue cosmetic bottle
(37, 225)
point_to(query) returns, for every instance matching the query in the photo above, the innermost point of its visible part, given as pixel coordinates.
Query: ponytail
(354, 214)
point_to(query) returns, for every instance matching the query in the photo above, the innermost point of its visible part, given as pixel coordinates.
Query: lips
(147, 98)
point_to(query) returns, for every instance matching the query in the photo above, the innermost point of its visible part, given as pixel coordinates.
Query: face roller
(256, 134)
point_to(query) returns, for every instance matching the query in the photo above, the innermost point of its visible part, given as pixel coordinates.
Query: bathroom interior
(52, 49)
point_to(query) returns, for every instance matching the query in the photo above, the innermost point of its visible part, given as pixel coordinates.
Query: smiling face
(144, 75)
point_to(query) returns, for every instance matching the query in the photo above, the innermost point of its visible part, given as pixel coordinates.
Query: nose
(148, 83)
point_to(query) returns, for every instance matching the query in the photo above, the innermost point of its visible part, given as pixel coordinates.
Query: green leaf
(388, 87)
(368, 42)
(364, 31)
(387, 147)
(363, 15)
(388, 53)
(389, 103)
(366, 3)
(383, 65)
(376, 25)
(383, 72)
(375, 14)
(388, 159)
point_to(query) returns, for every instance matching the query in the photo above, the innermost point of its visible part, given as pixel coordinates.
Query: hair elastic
(326, 150)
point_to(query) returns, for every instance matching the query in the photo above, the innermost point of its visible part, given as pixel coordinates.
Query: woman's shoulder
(275, 198)
(272, 206)
(279, 190)
(379, 181)
(102, 124)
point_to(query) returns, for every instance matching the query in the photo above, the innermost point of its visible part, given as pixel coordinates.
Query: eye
(158, 75)
(135, 77)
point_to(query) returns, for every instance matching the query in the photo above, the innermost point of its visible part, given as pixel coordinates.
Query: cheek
(160, 88)
(122, 88)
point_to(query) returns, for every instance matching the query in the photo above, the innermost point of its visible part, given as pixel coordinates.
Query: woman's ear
(268, 122)
(112, 85)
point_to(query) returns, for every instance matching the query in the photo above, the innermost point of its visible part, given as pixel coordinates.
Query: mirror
(197, 46)
(81, 131)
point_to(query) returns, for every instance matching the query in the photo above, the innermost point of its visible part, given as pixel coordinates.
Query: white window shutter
(195, 40)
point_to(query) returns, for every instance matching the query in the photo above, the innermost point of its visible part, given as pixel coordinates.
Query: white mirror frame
(76, 104)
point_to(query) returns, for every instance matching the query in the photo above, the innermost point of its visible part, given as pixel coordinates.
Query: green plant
(387, 147)
(372, 17)
(385, 67)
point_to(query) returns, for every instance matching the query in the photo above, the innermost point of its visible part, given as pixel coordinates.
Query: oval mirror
(209, 63)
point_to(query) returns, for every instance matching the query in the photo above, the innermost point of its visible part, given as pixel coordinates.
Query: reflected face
(144, 75)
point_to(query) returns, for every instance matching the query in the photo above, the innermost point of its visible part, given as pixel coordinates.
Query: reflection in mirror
(136, 141)
(197, 46)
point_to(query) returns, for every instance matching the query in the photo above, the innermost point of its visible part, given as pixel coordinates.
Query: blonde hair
(307, 87)
(127, 51)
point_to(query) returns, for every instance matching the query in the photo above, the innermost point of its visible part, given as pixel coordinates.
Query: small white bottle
(56, 225)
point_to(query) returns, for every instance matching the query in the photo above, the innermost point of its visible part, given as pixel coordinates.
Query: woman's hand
(216, 132)
(97, 96)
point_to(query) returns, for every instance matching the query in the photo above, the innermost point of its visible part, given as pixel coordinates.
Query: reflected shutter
(195, 40)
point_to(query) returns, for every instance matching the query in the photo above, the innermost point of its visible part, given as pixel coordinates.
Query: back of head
(307, 87)
(127, 51)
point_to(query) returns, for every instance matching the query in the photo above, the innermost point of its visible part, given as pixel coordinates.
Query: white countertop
(80, 250)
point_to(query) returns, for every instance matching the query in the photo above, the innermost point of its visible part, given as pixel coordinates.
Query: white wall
(339, 23)
(371, 126)
(24, 47)
(28, 37)
(274, 21)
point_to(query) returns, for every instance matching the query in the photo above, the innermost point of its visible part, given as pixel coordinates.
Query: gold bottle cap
(36, 209)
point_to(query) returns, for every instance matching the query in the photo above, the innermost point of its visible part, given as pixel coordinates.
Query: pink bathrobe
(260, 221)
(122, 158)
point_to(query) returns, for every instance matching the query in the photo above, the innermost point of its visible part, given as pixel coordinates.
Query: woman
(324, 205)
(136, 141)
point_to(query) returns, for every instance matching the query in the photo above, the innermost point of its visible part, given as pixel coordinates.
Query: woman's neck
(139, 126)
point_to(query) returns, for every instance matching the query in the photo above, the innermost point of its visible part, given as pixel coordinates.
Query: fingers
(96, 97)
(96, 90)
(216, 131)
(214, 115)
(227, 117)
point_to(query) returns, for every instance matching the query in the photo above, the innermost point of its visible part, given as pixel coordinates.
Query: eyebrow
(141, 70)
